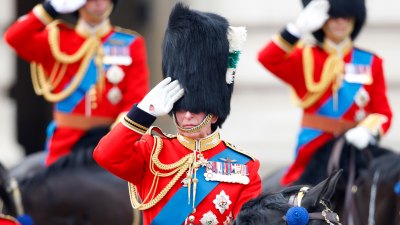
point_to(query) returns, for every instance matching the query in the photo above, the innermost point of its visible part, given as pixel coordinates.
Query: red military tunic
(8, 220)
(113, 68)
(129, 154)
(338, 87)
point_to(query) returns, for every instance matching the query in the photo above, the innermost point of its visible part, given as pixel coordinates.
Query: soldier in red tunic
(92, 72)
(193, 177)
(340, 88)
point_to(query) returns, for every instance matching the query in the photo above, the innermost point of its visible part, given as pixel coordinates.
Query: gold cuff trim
(120, 118)
(204, 144)
(134, 126)
(42, 15)
(374, 123)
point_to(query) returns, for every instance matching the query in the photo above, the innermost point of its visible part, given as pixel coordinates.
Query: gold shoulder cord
(44, 85)
(230, 145)
(178, 168)
(333, 67)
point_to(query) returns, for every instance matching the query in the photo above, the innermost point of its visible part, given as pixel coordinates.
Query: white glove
(67, 6)
(360, 137)
(311, 18)
(160, 100)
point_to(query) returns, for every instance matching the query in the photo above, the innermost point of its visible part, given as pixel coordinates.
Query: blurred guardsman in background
(193, 177)
(340, 88)
(92, 72)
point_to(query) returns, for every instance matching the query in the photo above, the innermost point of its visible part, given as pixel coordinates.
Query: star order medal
(222, 202)
(209, 218)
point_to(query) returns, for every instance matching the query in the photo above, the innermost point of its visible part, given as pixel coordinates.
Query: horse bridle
(329, 216)
(13, 190)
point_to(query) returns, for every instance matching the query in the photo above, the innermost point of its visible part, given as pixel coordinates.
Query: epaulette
(231, 146)
(159, 132)
(126, 31)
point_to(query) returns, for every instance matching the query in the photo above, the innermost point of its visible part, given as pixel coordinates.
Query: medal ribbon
(178, 205)
(346, 98)
(90, 78)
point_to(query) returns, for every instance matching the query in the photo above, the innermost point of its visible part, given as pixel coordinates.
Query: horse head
(296, 205)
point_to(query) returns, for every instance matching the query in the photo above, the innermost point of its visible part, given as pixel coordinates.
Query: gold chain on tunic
(44, 85)
(333, 67)
(178, 168)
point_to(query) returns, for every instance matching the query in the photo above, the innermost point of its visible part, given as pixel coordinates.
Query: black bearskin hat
(345, 9)
(196, 52)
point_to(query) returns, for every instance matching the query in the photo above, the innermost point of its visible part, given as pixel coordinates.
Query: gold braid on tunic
(44, 84)
(178, 168)
(333, 67)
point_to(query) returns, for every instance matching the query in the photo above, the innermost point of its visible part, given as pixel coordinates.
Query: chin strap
(195, 129)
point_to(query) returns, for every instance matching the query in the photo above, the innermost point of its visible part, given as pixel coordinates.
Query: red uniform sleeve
(124, 153)
(287, 66)
(28, 37)
(251, 190)
(379, 101)
(137, 75)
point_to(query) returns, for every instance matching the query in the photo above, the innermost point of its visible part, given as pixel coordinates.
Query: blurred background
(263, 120)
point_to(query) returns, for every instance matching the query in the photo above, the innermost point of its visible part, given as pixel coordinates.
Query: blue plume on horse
(297, 216)
(397, 188)
(25, 219)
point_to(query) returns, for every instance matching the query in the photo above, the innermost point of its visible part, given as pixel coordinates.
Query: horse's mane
(387, 165)
(74, 160)
(277, 201)
(254, 211)
(80, 156)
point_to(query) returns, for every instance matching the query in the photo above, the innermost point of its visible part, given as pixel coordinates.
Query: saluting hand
(311, 18)
(160, 100)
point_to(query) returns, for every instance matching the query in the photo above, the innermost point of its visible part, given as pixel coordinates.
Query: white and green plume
(236, 38)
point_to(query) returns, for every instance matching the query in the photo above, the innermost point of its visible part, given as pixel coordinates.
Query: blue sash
(346, 95)
(177, 209)
(90, 78)
(49, 134)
